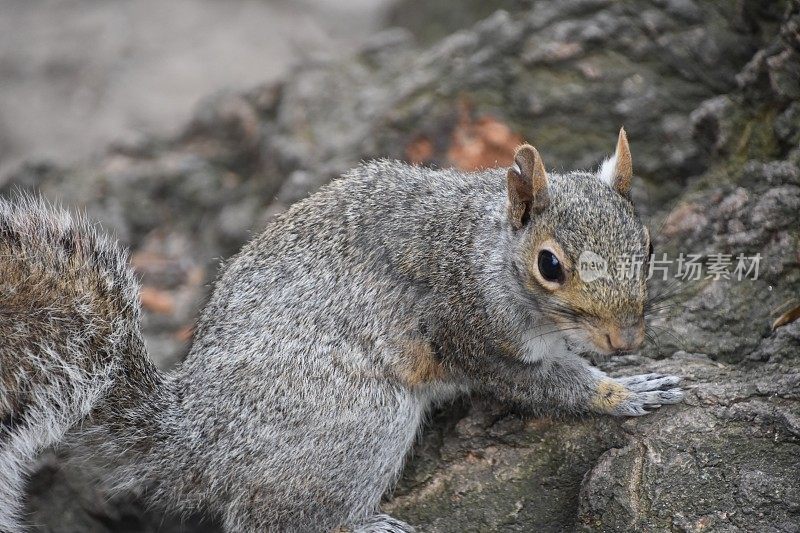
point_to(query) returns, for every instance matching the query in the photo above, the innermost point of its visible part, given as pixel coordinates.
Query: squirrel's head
(580, 250)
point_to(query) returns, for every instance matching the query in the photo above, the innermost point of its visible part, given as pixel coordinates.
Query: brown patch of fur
(418, 364)
(610, 317)
(609, 395)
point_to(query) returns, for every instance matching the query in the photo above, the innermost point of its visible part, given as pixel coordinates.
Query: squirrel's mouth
(610, 336)
(593, 342)
(594, 337)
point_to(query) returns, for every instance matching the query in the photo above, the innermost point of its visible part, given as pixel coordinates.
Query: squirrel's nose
(625, 339)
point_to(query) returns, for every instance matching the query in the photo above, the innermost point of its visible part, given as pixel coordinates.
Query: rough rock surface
(709, 93)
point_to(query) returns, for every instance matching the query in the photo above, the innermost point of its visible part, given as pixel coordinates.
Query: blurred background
(76, 75)
(184, 126)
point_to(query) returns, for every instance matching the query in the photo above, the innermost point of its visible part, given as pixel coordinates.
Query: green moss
(756, 138)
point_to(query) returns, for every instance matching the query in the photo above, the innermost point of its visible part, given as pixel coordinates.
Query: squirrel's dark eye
(550, 267)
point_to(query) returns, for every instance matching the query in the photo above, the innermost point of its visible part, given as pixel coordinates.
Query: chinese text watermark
(687, 267)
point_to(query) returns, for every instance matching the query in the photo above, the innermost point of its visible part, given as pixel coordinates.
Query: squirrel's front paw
(636, 395)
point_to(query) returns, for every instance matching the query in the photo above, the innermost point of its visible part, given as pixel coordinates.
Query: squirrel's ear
(527, 186)
(618, 170)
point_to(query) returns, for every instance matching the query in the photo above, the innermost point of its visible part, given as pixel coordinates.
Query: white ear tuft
(608, 171)
(616, 171)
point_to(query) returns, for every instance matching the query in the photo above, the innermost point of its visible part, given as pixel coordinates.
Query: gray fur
(299, 400)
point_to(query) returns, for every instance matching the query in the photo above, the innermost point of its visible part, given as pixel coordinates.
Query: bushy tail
(69, 335)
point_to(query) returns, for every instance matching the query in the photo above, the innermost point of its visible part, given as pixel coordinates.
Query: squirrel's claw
(649, 382)
(648, 392)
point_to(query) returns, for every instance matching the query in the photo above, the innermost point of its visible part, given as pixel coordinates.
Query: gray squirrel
(326, 339)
